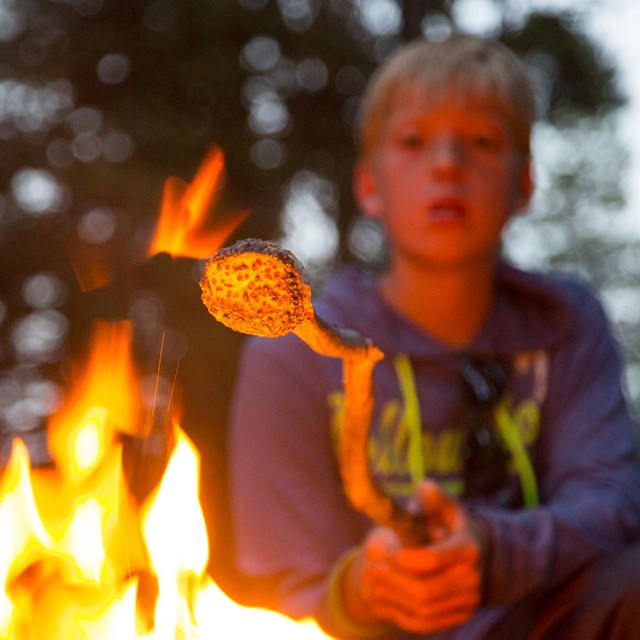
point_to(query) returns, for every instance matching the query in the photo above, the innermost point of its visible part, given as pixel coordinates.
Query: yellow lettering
(442, 451)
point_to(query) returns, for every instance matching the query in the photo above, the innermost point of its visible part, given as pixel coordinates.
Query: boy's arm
(291, 519)
(587, 466)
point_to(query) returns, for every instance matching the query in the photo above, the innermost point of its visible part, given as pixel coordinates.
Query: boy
(498, 402)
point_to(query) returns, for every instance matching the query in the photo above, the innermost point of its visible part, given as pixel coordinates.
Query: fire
(81, 559)
(188, 225)
(181, 228)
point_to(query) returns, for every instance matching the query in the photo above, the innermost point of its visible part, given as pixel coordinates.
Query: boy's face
(444, 179)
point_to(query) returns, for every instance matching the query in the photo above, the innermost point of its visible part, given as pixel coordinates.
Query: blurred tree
(577, 221)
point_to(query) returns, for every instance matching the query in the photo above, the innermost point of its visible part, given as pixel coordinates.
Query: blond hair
(463, 70)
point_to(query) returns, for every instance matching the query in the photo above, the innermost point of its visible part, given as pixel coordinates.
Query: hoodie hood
(529, 312)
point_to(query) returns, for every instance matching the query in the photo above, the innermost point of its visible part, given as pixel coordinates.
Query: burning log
(258, 288)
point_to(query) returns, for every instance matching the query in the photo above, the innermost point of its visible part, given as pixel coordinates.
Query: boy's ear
(525, 188)
(365, 190)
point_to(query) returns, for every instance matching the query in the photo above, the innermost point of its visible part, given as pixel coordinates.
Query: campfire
(80, 556)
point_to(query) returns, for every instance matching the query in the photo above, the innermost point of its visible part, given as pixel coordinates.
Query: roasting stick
(258, 288)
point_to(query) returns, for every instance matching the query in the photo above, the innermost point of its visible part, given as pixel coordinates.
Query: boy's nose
(447, 156)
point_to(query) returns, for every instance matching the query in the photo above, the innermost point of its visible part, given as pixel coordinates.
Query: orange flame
(186, 227)
(102, 403)
(81, 560)
(181, 229)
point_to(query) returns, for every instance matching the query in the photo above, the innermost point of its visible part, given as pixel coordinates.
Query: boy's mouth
(446, 209)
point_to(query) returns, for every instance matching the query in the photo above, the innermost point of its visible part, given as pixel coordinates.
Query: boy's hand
(419, 589)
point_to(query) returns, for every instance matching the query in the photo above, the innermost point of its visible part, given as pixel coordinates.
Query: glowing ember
(80, 559)
(181, 229)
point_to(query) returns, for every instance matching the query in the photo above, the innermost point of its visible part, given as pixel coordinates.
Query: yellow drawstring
(512, 437)
(412, 418)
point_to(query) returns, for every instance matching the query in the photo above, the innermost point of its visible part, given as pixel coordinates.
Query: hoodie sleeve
(290, 516)
(587, 467)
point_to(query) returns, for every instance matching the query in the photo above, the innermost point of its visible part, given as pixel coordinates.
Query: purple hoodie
(292, 521)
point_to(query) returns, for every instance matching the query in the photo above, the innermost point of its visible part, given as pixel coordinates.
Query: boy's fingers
(381, 541)
(427, 605)
(435, 557)
(438, 506)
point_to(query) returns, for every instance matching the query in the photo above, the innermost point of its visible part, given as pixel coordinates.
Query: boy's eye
(411, 140)
(486, 140)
